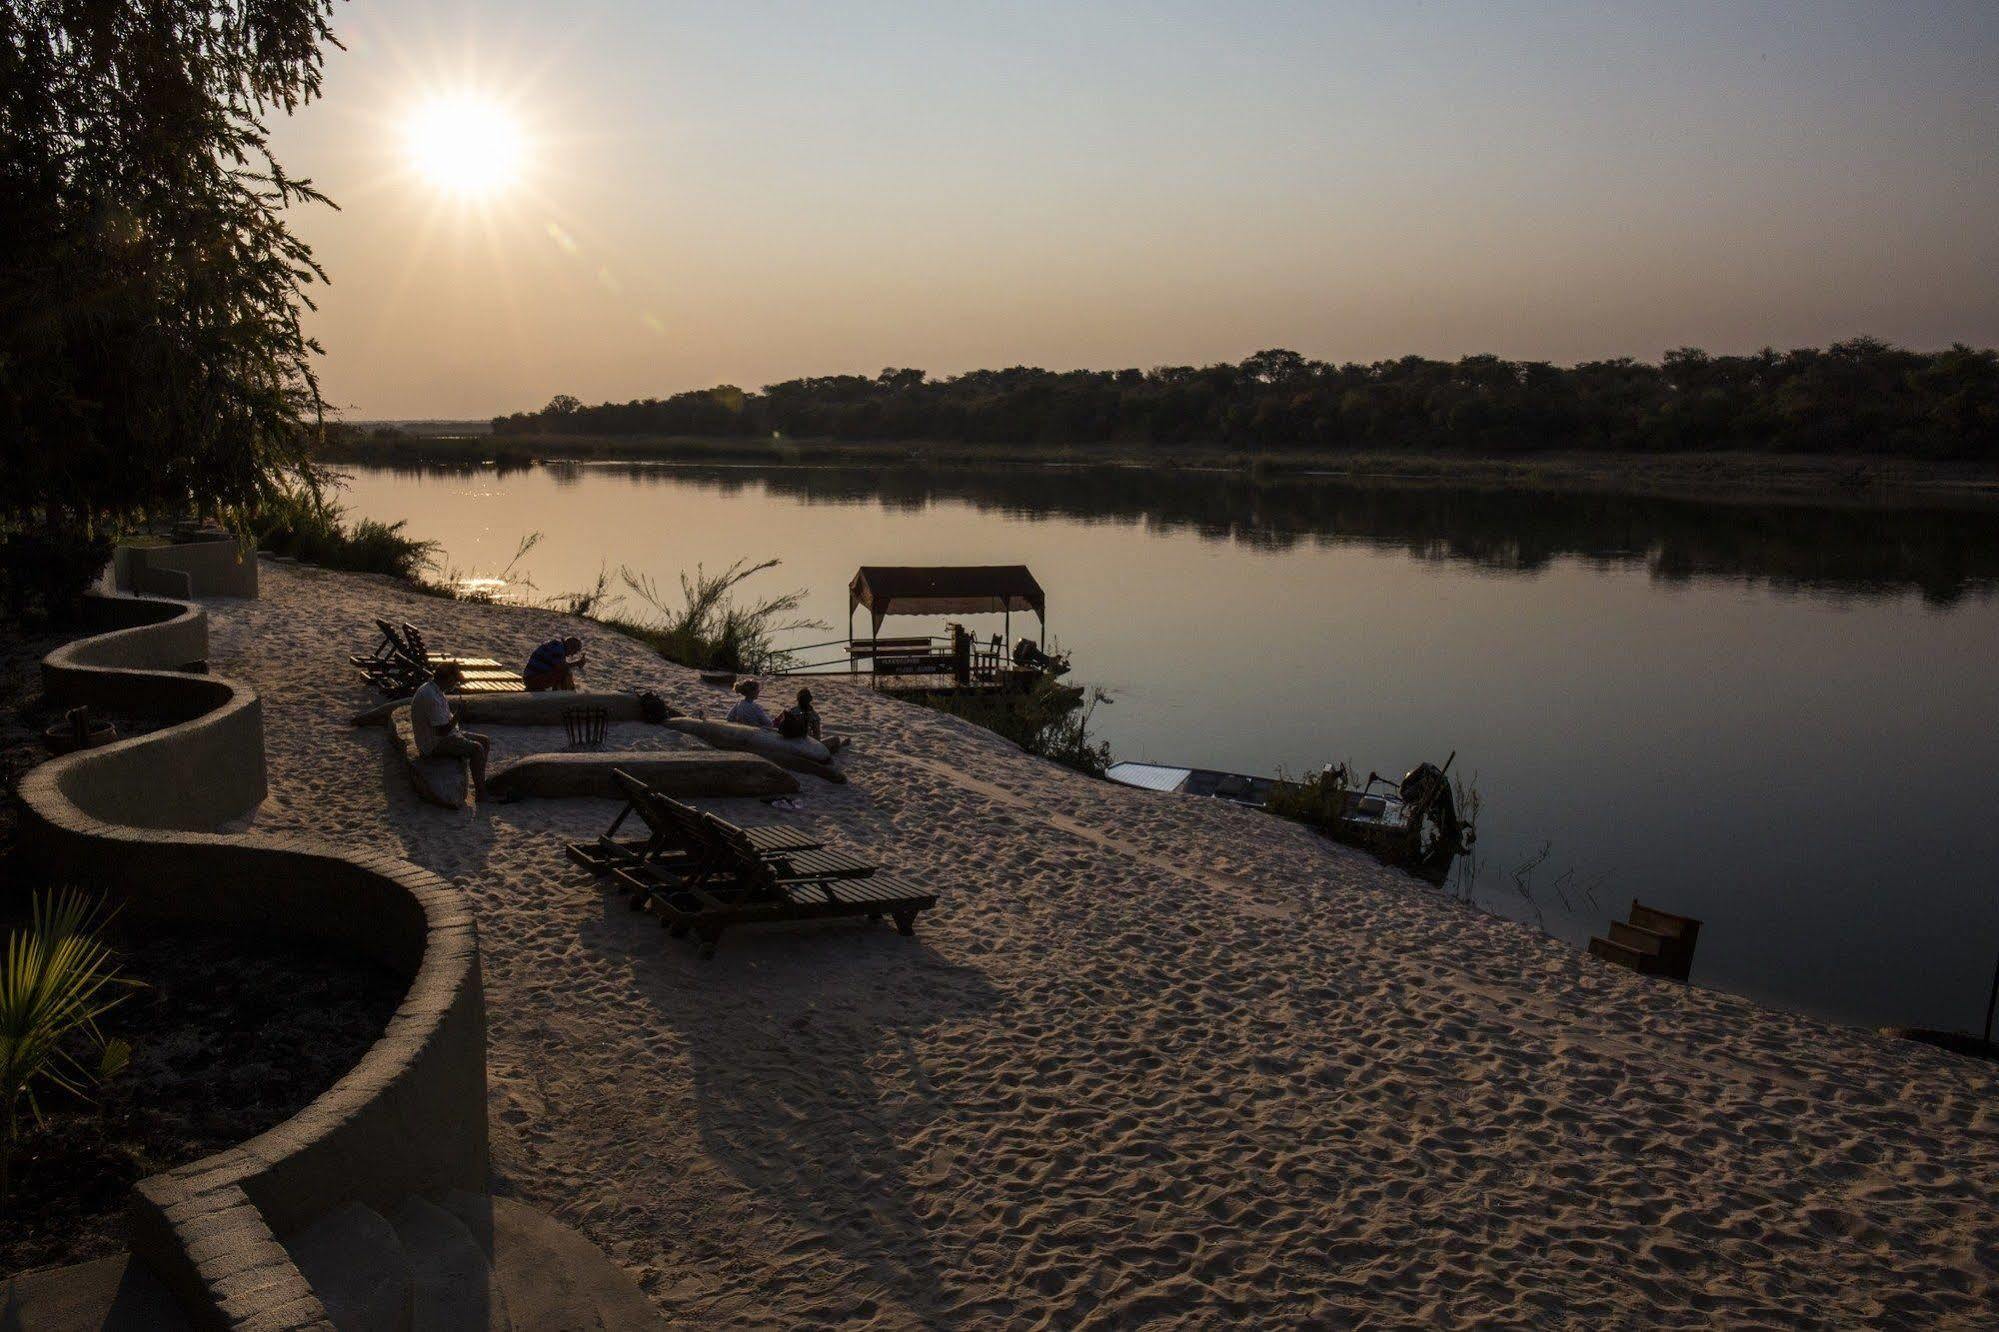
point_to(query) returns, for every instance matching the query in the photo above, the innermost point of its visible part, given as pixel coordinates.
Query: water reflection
(1774, 717)
(1853, 549)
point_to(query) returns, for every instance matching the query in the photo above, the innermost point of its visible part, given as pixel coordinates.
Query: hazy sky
(748, 192)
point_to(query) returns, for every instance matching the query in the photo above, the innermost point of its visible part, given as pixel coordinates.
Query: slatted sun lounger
(401, 662)
(668, 841)
(480, 675)
(752, 891)
(386, 648)
(701, 874)
(712, 849)
(702, 846)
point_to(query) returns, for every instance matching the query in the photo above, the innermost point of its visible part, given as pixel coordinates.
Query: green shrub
(1051, 720)
(304, 524)
(56, 981)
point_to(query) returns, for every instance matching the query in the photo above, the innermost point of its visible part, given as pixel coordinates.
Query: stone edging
(411, 1115)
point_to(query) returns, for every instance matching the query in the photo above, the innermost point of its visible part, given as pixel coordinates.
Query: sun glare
(464, 146)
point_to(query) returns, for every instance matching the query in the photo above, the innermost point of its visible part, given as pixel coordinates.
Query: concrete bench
(798, 755)
(678, 775)
(440, 781)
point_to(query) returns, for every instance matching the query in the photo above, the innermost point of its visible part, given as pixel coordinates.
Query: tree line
(1858, 396)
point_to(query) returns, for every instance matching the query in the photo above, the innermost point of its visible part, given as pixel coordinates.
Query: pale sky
(749, 192)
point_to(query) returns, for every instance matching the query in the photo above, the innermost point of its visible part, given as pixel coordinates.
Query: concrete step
(108, 1295)
(552, 1277)
(355, 1263)
(452, 1280)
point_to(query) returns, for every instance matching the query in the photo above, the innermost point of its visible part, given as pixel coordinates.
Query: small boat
(1254, 791)
(1413, 823)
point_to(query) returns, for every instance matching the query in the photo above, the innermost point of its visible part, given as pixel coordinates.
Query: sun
(465, 146)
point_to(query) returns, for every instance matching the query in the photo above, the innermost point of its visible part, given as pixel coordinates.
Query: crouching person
(436, 728)
(553, 665)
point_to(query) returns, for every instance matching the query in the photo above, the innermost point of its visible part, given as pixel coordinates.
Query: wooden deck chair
(390, 668)
(667, 839)
(386, 648)
(479, 675)
(399, 665)
(746, 889)
(710, 850)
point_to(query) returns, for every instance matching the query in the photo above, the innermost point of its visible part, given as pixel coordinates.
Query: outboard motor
(1427, 792)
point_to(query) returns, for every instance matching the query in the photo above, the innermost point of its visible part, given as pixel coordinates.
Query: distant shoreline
(1842, 478)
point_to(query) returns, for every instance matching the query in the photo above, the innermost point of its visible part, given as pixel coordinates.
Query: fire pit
(585, 727)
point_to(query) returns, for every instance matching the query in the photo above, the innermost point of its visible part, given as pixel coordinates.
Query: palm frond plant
(58, 980)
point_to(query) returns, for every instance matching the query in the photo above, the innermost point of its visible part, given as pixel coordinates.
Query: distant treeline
(1852, 397)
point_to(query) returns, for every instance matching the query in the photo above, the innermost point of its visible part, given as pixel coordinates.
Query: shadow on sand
(809, 1079)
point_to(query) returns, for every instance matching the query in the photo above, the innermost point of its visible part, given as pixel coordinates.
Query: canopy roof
(982, 589)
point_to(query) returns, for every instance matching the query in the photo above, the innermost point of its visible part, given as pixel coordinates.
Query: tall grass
(710, 629)
(303, 523)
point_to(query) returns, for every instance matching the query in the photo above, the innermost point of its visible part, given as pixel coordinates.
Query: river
(1777, 717)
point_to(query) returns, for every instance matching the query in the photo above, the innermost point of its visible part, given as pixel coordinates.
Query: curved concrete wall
(216, 568)
(411, 1116)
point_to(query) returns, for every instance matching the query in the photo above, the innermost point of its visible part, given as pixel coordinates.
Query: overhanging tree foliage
(152, 359)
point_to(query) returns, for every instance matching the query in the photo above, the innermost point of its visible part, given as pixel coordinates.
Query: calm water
(1779, 719)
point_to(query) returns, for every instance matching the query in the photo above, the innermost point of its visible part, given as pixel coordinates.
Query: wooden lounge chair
(667, 842)
(707, 874)
(386, 650)
(480, 675)
(392, 667)
(751, 891)
(706, 846)
(401, 662)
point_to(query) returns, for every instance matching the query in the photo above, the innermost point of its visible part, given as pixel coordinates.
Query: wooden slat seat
(401, 662)
(672, 828)
(701, 874)
(695, 909)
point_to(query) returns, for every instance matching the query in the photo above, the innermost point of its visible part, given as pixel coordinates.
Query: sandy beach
(1151, 1061)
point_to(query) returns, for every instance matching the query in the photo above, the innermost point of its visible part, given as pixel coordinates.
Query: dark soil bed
(24, 714)
(230, 1036)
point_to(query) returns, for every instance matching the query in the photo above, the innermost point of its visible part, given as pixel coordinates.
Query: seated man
(749, 712)
(1027, 654)
(801, 721)
(436, 729)
(553, 665)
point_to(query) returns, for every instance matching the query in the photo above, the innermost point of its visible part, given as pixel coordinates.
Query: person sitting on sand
(749, 712)
(553, 665)
(801, 721)
(436, 728)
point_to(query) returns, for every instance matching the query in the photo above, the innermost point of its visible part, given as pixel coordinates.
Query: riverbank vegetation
(711, 629)
(1858, 396)
(1051, 720)
(303, 523)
